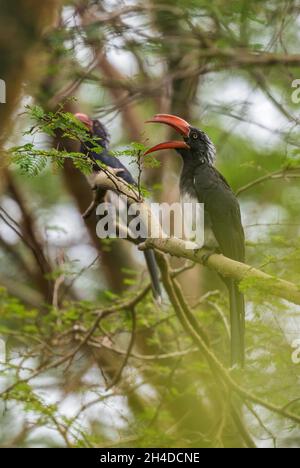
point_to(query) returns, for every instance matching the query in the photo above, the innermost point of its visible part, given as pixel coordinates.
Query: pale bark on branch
(227, 267)
(190, 251)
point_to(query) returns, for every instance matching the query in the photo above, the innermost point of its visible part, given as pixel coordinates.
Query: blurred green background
(228, 67)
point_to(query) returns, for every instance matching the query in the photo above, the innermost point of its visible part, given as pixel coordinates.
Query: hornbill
(201, 182)
(99, 132)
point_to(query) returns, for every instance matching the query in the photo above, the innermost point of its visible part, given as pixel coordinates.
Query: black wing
(223, 209)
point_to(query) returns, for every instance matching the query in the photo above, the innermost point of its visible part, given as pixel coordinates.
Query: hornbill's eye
(195, 136)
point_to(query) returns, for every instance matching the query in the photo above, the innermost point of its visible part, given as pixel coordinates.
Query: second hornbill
(99, 132)
(201, 181)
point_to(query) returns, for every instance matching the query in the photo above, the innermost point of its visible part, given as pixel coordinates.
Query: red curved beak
(85, 119)
(180, 125)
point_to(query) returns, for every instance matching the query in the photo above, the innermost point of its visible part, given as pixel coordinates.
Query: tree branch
(190, 251)
(225, 266)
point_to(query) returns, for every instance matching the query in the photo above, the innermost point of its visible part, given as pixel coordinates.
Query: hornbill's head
(96, 128)
(196, 145)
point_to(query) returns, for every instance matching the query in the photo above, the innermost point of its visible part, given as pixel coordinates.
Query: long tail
(154, 275)
(237, 321)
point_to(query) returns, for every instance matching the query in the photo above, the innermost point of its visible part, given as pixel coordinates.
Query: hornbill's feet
(211, 251)
(205, 257)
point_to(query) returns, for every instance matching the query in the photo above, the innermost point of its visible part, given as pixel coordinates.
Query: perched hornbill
(98, 131)
(203, 183)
